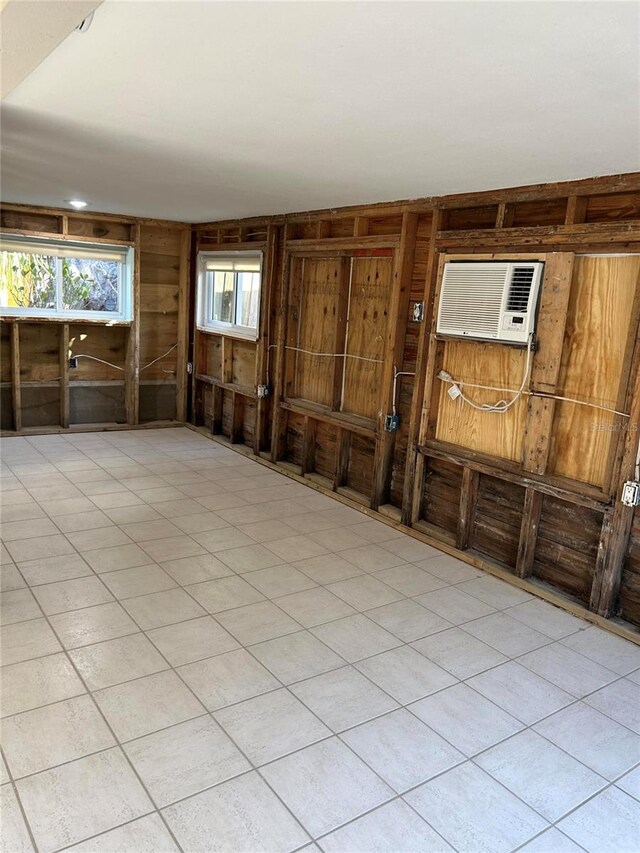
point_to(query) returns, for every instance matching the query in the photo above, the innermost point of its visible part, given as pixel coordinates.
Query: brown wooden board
(599, 338)
(498, 434)
(495, 530)
(369, 295)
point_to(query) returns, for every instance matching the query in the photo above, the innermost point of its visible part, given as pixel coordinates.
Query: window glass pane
(89, 285)
(222, 302)
(27, 280)
(248, 297)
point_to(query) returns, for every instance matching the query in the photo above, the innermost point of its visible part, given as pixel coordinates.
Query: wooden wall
(39, 389)
(532, 493)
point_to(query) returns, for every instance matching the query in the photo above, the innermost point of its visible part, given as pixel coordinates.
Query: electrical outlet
(391, 423)
(263, 391)
(454, 392)
(73, 362)
(631, 493)
(418, 312)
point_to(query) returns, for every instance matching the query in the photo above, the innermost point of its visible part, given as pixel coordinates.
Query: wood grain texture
(498, 434)
(369, 296)
(598, 345)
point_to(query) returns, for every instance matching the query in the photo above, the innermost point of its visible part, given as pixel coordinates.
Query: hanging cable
(397, 373)
(446, 377)
(117, 366)
(500, 406)
(335, 355)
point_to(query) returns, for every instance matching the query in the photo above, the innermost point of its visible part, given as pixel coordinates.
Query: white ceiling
(205, 110)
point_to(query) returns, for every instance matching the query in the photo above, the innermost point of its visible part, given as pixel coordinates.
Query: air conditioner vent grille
(520, 288)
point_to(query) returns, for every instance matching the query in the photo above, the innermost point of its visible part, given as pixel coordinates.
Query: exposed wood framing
(468, 497)
(528, 533)
(279, 416)
(183, 330)
(132, 375)
(64, 375)
(552, 315)
(264, 341)
(412, 513)
(396, 329)
(16, 391)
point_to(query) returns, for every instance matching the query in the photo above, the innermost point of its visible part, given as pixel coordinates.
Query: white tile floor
(201, 654)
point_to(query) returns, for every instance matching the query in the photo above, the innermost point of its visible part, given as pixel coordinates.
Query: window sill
(229, 333)
(39, 318)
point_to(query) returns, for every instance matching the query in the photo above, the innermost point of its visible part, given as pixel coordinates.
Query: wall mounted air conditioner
(491, 301)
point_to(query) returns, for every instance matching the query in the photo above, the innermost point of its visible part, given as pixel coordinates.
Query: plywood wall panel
(493, 433)
(369, 298)
(39, 352)
(601, 323)
(316, 329)
(243, 363)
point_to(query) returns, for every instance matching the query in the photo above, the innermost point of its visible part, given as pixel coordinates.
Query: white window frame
(205, 297)
(56, 248)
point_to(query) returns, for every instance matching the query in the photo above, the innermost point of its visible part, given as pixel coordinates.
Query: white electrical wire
(117, 367)
(101, 360)
(500, 406)
(397, 373)
(336, 355)
(543, 394)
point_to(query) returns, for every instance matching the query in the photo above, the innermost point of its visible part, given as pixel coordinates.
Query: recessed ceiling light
(76, 202)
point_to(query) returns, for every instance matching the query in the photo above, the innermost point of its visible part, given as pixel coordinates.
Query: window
(229, 293)
(65, 279)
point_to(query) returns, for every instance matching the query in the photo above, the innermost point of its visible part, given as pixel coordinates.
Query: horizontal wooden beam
(345, 244)
(558, 235)
(244, 390)
(352, 423)
(502, 469)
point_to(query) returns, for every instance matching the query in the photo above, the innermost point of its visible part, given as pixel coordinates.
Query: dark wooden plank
(468, 498)
(64, 375)
(528, 533)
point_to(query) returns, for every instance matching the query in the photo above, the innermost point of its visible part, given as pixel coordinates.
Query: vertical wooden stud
(338, 366)
(468, 498)
(309, 446)
(342, 458)
(279, 418)
(64, 375)
(132, 361)
(576, 210)
(217, 407)
(545, 370)
(394, 346)
(423, 389)
(16, 392)
(183, 326)
(323, 229)
(414, 465)
(504, 218)
(237, 418)
(528, 532)
(360, 226)
(264, 336)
